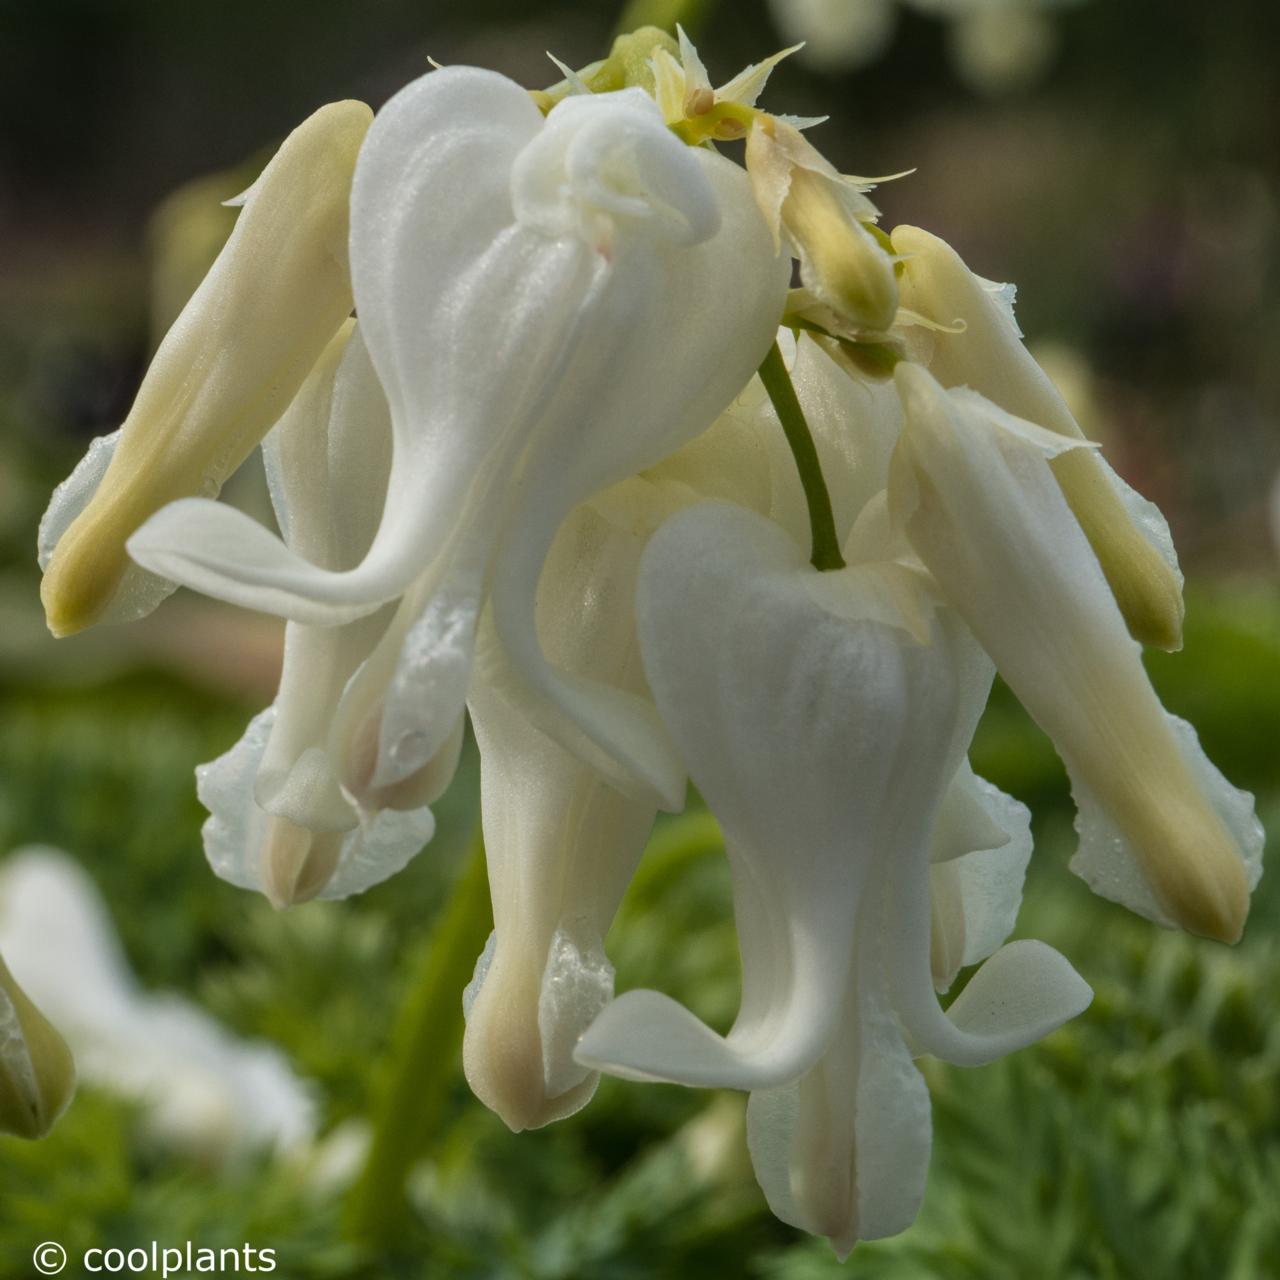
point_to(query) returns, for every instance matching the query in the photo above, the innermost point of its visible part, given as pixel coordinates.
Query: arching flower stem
(777, 382)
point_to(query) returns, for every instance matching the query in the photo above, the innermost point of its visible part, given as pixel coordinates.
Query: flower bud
(37, 1074)
(841, 262)
(222, 376)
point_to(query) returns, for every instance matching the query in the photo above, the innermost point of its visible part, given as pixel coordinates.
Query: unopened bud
(840, 260)
(226, 370)
(37, 1073)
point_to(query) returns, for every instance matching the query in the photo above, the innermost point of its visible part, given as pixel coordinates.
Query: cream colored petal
(974, 491)
(223, 374)
(1130, 540)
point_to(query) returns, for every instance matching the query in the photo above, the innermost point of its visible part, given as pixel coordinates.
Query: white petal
(699, 318)
(981, 847)
(820, 733)
(1105, 858)
(561, 844)
(984, 351)
(235, 833)
(844, 1151)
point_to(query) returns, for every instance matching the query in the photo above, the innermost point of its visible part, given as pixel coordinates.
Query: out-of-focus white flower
(222, 376)
(836, 35)
(202, 1090)
(998, 46)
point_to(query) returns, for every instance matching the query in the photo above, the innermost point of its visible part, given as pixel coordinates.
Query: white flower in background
(492, 492)
(202, 1090)
(997, 46)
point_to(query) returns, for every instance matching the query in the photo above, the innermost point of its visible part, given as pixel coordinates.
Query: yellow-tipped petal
(847, 268)
(988, 355)
(231, 363)
(1161, 830)
(1144, 585)
(37, 1072)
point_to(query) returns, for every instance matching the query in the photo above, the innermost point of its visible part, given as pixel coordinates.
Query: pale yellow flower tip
(850, 269)
(1193, 865)
(1144, 585)
(37, 1072)
(230, 364)
(297, 862)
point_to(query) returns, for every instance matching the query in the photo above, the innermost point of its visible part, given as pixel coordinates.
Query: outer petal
(1127, 534)
(222, 376)
(820, 732)
(981, 847)
(441, 277)
(981, 507)
(280, 821)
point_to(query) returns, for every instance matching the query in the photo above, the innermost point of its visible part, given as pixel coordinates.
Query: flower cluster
(588, 468)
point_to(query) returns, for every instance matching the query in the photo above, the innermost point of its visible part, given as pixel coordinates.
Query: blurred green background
(1129, 182)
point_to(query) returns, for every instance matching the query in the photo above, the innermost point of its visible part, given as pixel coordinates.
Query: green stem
(777, 382)
(424, 1060)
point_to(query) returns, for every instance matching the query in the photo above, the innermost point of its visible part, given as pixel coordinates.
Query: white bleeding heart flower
(561, 843)
(282, 821)
(978, 345)
(551, 305)
(823, 717)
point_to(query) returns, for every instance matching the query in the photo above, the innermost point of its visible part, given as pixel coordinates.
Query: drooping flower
(222, 376)
(823, 717)
(518, 281)
(979, 345)
(561, 842)
(1161, 830)
(287, 816)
